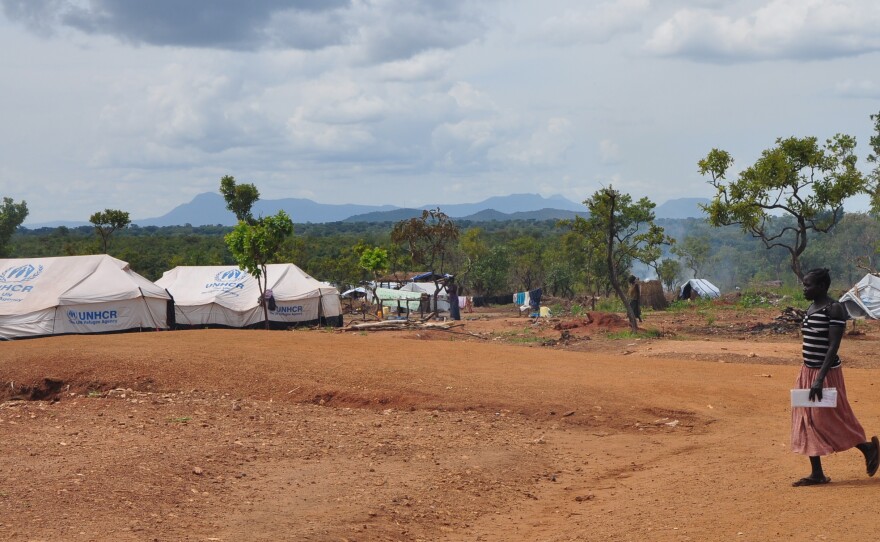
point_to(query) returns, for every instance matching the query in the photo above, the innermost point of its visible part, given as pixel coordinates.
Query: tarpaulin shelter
(699, 288)
(863, 299)
(77, 294)
(429, 288)
(226, 296)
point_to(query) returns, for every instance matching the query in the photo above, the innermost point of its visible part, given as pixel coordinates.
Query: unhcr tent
(863, 300)
(76, 294)
(226, 296)
(698, 288)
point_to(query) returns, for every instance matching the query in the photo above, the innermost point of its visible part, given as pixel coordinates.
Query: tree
(694, 251)
(874, 158)
(255, 245)
(625, 231)
(11, 217)
(430, 238)
(240, 198)
(107, 222)
(375, 261)
(796, 178)
(668, 271)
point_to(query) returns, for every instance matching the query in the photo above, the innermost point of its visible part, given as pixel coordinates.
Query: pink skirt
(822, 431)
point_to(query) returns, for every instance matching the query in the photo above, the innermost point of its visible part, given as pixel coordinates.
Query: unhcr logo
(92, 317)
(227, 281)
(230, 275)
(21, 273)
(288, 309)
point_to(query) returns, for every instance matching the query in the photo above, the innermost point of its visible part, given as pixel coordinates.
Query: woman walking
(821, 431)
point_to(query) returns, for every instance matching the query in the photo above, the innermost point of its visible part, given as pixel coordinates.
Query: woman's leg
(816, 477)
(872, 454)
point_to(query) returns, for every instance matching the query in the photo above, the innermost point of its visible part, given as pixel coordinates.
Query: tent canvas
(863, 299)
(76, 294)
(699, 287)
(227, 296)
(429, 288)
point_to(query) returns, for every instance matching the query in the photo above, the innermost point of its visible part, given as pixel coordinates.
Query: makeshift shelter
(698, 288)
(652, 295)
(863, 300)
(429, 288)
(392, 300)
(77, 294)
(226, 296)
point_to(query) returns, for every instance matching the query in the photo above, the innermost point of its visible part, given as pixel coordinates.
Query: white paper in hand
(801, 398)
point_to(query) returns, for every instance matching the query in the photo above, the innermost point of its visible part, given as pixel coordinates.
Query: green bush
(610, 304)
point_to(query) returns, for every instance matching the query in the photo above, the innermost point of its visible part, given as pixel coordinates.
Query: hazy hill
(486, 215)
(681, 208)
(210, 209)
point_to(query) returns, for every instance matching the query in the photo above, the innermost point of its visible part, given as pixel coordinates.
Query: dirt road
(318, 435)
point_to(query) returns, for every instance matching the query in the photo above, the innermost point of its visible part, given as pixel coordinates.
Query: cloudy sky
(140, 106)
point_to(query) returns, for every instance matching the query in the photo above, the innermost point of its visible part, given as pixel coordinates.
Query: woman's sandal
(809, 481)
(874, 461)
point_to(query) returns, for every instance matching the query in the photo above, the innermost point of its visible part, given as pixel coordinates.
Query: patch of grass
(577, 310)
(180, 419)
(94, 393)
(525, 336)
(610, 304)
(640, 334)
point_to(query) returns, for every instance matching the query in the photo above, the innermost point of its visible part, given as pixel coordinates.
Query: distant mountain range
(210, 209)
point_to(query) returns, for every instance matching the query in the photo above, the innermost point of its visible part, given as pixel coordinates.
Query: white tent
(863, 300)
(230, 297)
(76, 294)
(700, 287)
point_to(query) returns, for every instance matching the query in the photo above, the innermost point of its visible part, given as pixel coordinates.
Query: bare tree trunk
(609, 255)
(262, 286)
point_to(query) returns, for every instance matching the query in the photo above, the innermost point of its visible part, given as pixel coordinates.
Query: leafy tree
(796, 178)
(429, 238)
(375, 261)
(874, 158)
(11, 216)
(668, 271)
(107, 222)
(240, 198)
(526, 263)
(625, 231)
(488, 275)
(255, 245)
(694, 250)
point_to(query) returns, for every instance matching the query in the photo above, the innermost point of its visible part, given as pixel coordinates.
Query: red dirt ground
(501, 429)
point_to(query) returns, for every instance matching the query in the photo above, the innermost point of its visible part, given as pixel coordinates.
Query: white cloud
(597, 25)
(780, 29)
(609, 152)
(544, 146)
(470, 98)
(424, 66)
(863, 88)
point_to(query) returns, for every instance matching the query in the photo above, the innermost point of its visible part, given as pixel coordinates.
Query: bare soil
(502, 428)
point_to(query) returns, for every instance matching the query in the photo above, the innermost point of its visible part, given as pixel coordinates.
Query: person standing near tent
(821, 431)
(634, 294)
(452, 295)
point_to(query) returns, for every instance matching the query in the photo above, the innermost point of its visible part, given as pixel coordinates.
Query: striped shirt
(815, 331)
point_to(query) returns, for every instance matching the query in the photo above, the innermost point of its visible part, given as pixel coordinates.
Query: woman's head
(816, 283)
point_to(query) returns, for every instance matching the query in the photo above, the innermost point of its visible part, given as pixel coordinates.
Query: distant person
(821, 431)
(452, 296)
(634, 294)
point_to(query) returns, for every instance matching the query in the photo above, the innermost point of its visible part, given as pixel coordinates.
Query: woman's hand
(816, 390)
